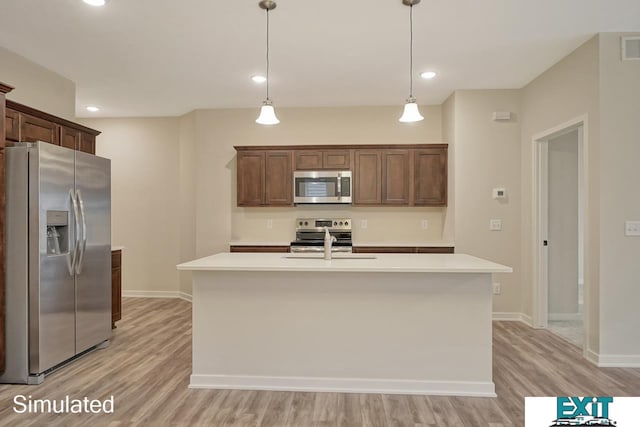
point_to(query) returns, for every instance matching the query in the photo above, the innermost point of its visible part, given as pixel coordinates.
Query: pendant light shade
(411, 112)
(267, 112)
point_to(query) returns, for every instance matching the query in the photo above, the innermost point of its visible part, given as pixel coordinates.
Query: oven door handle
(307, 249)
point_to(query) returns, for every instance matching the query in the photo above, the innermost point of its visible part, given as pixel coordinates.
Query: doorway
(559, 182)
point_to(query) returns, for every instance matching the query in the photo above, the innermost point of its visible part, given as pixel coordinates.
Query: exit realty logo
(582, 411)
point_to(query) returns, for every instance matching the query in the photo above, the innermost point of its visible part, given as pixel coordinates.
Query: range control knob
(340, 222)
(300, 223)
(335, 222)
(346, 223)
(306, 223)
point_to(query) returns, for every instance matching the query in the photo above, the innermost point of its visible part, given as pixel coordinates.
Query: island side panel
(415, 333)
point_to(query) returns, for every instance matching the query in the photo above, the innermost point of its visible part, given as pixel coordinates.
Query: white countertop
(391, 263)
(355, 243)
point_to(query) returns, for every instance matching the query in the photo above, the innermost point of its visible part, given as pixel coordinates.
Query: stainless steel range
(310, 234)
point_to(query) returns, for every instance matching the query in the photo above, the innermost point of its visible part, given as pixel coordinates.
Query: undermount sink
(320, 256)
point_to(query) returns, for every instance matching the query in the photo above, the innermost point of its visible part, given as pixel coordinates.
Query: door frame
(539, 146)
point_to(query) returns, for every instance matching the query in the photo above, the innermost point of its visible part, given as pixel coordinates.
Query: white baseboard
(157, 294)
(512, 316)
(619, 360)
(344, 385)
(565, 316)
(591, 356)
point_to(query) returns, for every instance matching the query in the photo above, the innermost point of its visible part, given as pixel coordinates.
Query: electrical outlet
(269, 223)
(496, 288)
(424, 224)
(363, 223)
(632, 228)
(495, 225)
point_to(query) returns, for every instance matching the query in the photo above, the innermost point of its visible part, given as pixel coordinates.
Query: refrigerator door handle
(83, 245)
(76, 245)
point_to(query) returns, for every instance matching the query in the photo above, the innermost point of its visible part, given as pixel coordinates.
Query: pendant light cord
(411, 52)
(267, 54)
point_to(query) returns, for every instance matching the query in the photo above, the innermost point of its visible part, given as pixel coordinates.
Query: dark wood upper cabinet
(34, 129)
(336, 159)
(265, 178)
(383, 175)
(308, 160)
(322, 159)
(12, 125)
(367, 177)
(27, 124)
(278, 178)
(430, 177)
(69, 138)
(87, 142)
(250, 175)
(395, 177)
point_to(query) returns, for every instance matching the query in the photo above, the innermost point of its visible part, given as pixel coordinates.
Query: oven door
(322, 187)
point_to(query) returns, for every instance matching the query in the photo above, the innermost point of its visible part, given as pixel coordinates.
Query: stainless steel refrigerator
(58, 257)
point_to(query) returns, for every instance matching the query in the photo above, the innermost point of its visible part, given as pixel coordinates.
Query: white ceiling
(168, 57)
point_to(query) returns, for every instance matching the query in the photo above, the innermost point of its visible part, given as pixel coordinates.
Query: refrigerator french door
(58, 262)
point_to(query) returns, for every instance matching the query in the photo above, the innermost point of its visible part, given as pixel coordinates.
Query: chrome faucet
(328, 242)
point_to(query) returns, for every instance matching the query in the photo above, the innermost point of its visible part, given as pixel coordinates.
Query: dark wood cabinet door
(69, 138)
(430, 177)
(395, 177)
(278, 178)
(367, 177)
(308, 160)
(250, 175)
(87, 143)
(12, 125)
(336, 159)
(36, 129)
(116, 287)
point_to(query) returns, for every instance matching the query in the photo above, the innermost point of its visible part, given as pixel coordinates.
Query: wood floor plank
(147, 367)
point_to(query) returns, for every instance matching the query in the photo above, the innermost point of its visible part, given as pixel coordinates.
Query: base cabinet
(116, 287)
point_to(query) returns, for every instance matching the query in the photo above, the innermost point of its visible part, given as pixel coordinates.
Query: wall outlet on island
(424, 224)
(496, 288)
(363, 223)
(269, 223)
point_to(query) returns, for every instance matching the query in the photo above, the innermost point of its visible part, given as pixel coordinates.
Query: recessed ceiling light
(93, 109)
(259, 78)
(427, 75)
(95, 2)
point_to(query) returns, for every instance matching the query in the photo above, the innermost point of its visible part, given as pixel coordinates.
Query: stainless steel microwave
(322, 186)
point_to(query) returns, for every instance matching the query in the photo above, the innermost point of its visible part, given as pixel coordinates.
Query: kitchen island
(384, 323)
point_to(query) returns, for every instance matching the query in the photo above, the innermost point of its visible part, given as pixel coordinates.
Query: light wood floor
(148, 364)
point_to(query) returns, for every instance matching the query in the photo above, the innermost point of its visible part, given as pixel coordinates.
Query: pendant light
(267, 113)
(411, 112)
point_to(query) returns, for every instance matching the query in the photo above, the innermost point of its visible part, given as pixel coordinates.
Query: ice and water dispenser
(57, 232)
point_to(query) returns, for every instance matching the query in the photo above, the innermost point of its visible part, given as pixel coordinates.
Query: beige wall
(619, 200)
(563, 224)
(36, 86)
(146, 216)
(449, 136)
(566, 91)
(186, 196)
(486, 157)
(219, 221)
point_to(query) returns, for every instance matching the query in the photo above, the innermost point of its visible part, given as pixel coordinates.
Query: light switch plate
(632, 228)
(496, 288)
(495, 225)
